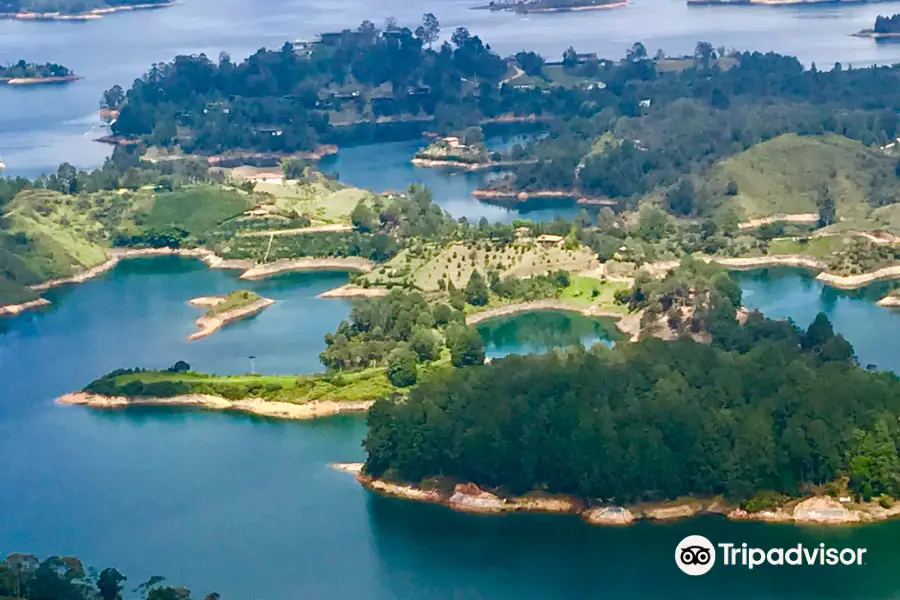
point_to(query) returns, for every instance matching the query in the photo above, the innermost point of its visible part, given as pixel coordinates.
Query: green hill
(788, 175)
(47, 235)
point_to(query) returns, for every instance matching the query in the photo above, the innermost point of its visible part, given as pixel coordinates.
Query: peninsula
(72, 10)
(24, 73)
(453, 152)
(234, 306)
(885, 28)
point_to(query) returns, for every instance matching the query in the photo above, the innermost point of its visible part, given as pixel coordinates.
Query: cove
(534, 332)
(249, 507)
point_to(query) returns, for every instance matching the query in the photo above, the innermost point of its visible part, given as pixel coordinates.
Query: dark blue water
(248, 506)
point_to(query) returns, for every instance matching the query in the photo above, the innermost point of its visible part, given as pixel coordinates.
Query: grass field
(234, 300)
(360, 385)
(325, 201)
(455, 263)
(817, 247)
(786, 175)
(582, 291)
(197, 209)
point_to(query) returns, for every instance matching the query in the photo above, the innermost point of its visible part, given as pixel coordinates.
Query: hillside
(791, 174)
(425, 267)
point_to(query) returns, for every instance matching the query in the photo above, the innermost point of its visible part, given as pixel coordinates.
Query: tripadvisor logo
(696, 555)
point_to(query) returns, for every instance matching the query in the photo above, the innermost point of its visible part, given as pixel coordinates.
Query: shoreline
(96, 13)
(797, 218)
(350, 290)
(210, 325)
(523, 196)
(11, 310)
(287, 265)
(524, 9)
(551, 304)
(251, 270)
(470, 498)
(39, 80)
(257, 406)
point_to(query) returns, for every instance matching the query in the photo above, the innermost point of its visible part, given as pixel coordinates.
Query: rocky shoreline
(468, 497)
(210, 324)
(514, 197)
(257, 406)
(15, 309)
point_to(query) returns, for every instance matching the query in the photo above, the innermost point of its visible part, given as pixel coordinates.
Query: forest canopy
(766, 406)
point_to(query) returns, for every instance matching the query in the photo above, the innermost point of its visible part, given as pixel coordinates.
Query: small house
(549, 240)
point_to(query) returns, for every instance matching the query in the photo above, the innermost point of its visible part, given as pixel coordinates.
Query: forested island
(885, 28)
(23, 73)
(28, 577)
(547, 6)
(79, 10)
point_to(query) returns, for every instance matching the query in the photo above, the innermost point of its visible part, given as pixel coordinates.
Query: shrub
(401, 370)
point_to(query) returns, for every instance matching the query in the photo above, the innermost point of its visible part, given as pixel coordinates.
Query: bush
(764, 500)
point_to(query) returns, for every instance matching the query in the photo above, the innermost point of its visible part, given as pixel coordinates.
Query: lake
(249, 507)
(43, 126)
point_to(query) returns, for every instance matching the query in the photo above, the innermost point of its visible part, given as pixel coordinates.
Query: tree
(292, 168)
(703, 55)
(636, 53)
(530, 62)
(826, 206)
(442, 314)
(570, 58)
(113, 97)
(363, 217)
(429, 30)
(401, 368)
(110, 583)
(477, 290)
(466, 346)
(681, 198)
(425, 343)
(180, 367)
(731, 189)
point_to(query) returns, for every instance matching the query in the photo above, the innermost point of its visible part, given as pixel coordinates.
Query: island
(885, 28)
(550, 6)
(24, 73)
(223, 310)
(453, 152)
(72, 10)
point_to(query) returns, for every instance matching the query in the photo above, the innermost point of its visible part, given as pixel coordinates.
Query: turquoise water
(249, 507)
(536, 331)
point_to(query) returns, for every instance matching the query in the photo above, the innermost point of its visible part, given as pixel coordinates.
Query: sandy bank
(848, 282)
(14, 309)
(257, 406)
(869, 33)
(889, 301)
(780, 218)
(90, 15)
(355, 291)
(210, 324)
(577, 8)
(820, 510)
(351, 263)
(452, 164)
(535, 305)
(756, 262)
(38, 80)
